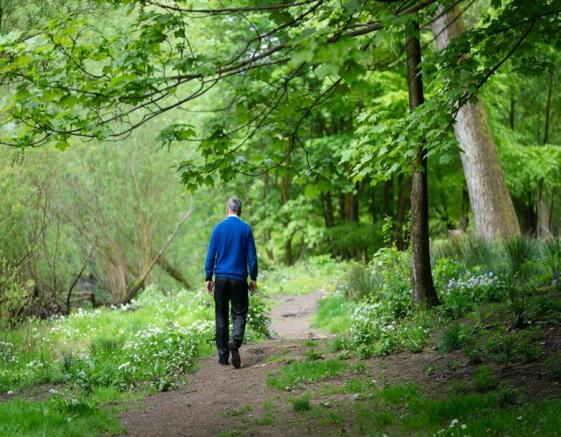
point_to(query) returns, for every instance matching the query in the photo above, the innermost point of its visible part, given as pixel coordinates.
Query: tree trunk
(267, 230)
(328, 209)
(284, 198)
(404, 186)
(422, 284)
(490, 199)
(543, 212)
(388, 198)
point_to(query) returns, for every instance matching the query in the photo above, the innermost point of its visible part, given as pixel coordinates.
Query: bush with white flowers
(460, 295)
(162, 355)
(376, 331)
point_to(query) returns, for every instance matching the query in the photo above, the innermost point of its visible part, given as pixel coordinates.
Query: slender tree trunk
(388, 198)
(284, 198)
(267, 230)
(551, 207)
(328, 207)
(490, 199)
(341, 207)
(403, 202)
(422, 284)
(543, 212)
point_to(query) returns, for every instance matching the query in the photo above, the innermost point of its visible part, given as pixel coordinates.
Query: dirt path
(217, 397)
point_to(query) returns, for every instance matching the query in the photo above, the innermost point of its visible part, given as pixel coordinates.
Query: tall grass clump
(521, 254)
(551, 255)
(361, 281)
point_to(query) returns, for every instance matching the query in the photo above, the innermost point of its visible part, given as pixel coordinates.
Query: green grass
(294, 374)
(301, 403)
(334, 314)
(403, 410)
(20, 417)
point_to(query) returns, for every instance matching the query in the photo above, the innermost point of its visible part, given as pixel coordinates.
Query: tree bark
(285, 187)
(543, 212)
(492, 207)
(422, 283)
(388, 198)
(267, 230)
(404, 186)
(328, 206)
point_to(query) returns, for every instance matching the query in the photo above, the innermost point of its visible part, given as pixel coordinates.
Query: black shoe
(223, 362)
(234, 350)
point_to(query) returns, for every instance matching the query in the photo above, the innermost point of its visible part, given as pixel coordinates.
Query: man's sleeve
(252, 256)
(210, 257)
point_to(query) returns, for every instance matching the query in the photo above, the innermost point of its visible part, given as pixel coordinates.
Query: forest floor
(296, 384)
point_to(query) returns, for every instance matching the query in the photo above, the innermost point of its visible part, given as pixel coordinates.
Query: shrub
(15, 294)
(444, 270)
(553, 365)
(162, 356)
(258, 317)
(455, 337)
(484, 380)
(460, 296)
(506, 347)
(302, 403)
(376, 331)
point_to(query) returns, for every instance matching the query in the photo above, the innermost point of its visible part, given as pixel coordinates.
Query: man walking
(230, 252)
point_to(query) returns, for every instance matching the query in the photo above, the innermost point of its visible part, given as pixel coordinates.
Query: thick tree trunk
(422, 284)
(493, 212)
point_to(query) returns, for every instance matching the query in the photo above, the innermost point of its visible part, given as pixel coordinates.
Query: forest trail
(216, 397)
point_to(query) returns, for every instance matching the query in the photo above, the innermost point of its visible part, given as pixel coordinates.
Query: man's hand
(252, 287)
(210, 287)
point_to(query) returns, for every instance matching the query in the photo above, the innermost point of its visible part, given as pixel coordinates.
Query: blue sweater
(231, 250)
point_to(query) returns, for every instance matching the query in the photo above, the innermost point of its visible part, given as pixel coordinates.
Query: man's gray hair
(235, 205)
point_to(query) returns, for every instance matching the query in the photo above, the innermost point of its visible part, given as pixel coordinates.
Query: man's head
(234, 206)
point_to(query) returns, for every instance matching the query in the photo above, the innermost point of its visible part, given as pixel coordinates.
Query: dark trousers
(236, 292)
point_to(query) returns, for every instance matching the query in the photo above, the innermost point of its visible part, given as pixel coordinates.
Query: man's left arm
(252, 261)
